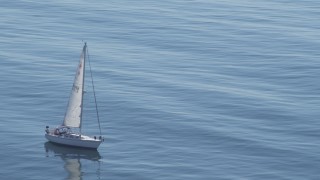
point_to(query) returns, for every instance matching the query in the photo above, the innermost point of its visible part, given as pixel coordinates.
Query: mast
(84, 70)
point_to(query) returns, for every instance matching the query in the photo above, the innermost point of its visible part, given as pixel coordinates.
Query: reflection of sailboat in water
(72, 158)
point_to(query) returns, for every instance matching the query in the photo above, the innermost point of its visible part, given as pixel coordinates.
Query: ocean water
(193, 89)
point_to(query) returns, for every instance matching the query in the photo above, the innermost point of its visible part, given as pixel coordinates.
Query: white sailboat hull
(74, 140)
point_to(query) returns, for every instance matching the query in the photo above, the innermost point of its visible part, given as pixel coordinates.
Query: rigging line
(94, 93)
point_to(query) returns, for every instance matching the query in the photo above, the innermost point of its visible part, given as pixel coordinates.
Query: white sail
(73, 115)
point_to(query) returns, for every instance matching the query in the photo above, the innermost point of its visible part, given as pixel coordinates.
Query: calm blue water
(193, 89)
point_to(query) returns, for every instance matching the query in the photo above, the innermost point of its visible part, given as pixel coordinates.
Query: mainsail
(72, 117)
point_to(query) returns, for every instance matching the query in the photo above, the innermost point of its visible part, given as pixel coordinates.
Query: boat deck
(75, 136)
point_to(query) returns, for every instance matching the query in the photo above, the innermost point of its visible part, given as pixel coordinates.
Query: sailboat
(66, 133)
